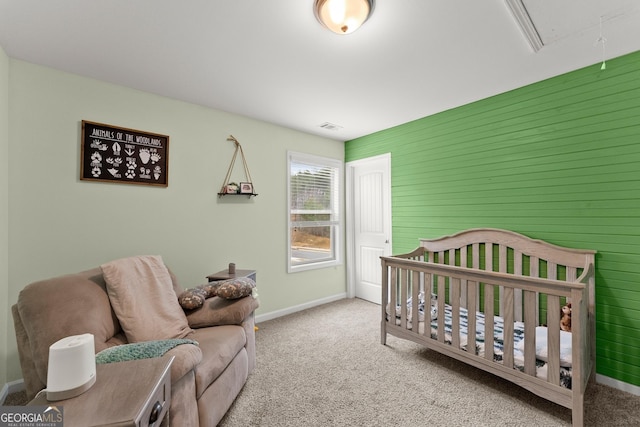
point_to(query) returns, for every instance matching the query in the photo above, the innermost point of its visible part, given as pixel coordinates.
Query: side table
(132, 393)
(224, 275)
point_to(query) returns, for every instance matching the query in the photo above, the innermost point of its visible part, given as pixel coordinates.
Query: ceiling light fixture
(343, 16)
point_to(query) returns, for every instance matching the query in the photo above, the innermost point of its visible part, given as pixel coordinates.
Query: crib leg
(383, 332)
(577, 411)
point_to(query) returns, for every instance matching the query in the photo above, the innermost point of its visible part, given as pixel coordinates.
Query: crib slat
(404, 274)
(489, 306)
(475, 256)
(488, 257)
(472, 307)
(502, 268)
(428, 280)
(454, 289)
(431, 259)
(508, 327)
(488, 321)
(552, 270)
(415, 303)
(463, 283)
(441, 301)
(464, 256)
(530, 332)
(393, 298)
(534, 271)
(553, 339)
(517, 294)
(502, 261)
(385, 300)
(473, 300)
(572, 274)
(452, 261)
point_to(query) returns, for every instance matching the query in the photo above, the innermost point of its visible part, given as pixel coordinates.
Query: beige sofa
(206, 378)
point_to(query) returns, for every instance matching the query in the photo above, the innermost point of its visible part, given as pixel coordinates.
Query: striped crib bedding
(498, 334)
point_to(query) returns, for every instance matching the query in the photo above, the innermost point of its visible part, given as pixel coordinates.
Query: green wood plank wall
(557, 160)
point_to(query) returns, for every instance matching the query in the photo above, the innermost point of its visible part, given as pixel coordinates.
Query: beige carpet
(326, 367)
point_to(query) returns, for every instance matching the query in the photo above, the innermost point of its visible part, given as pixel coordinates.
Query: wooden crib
(524, 283)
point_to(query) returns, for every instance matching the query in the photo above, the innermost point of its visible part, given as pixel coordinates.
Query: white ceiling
(272, 61)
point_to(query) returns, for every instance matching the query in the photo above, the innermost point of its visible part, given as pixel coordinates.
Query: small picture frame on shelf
(246, 188)
(231, 188)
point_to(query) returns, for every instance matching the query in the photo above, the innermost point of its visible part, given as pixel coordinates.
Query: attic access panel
(555, 20)
(545, 22)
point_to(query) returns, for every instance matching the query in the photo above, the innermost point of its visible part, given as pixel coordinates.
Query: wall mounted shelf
(231, 188)
(237, 194)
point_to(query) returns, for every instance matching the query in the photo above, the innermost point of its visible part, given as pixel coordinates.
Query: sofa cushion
(217, 311)
(219, 346)
(142, 296)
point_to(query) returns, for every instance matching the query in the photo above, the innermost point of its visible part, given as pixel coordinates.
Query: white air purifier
(72, 367)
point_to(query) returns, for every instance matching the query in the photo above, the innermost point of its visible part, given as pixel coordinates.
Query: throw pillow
(236, 288)
(142, 296)
(210, 289)
(192, 299)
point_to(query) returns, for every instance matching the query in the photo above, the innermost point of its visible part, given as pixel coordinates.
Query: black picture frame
(122, 155)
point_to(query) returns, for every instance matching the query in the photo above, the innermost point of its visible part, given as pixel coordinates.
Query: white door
(369, 197)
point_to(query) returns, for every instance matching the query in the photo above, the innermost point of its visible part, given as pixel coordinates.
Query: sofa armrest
(32, 381)
(218, 311)
(186, 358)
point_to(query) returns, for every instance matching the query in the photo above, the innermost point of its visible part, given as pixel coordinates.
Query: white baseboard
(11, 387)
(290, 310)
(618, 385)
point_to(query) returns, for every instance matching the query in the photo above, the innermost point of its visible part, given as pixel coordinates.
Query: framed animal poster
(115, 154)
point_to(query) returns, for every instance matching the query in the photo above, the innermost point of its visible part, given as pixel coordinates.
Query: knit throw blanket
(139, 350)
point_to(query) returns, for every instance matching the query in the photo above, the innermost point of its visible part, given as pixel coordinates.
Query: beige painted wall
(60, 224)
(4, 209)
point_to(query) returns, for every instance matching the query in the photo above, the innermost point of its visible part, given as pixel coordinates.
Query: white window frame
(337, 211)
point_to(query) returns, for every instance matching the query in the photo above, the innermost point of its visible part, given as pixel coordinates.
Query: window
(314, 192)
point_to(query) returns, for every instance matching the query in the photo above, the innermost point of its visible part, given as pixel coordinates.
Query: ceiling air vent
(330, 126)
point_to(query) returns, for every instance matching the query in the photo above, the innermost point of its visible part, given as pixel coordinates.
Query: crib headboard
(507, 241)
(510, 252)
